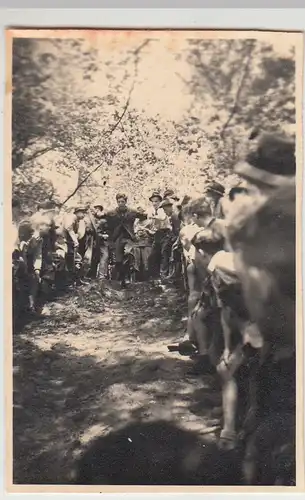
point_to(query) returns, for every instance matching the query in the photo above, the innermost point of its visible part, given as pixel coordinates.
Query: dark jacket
(175, 223)
(121, 224)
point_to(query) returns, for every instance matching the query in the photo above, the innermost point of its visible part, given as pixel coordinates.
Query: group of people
(237, 254)
(59, 247)
(56, 247)
(241, 305)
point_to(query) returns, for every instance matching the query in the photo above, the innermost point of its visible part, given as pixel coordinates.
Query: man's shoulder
(110, 213)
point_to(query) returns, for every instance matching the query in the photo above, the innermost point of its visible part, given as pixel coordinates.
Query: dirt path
(97, 361)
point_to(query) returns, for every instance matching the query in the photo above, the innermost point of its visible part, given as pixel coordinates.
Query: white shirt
(159, 219)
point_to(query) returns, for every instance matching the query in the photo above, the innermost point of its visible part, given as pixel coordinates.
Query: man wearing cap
(270, 165)
(264, 232)
(161, 249)
(121, 232)
(155, 200)
(214, 193)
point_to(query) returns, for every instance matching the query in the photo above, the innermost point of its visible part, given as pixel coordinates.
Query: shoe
(185, 348)
(203, 366)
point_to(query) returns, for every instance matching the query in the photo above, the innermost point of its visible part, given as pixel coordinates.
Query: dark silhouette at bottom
(157, 453)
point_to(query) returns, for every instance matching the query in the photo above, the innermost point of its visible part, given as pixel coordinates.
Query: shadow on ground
(97, 362)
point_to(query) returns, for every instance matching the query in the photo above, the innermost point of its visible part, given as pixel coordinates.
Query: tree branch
(239, 90)
(80, 184)
(136, 53)
(41, 152)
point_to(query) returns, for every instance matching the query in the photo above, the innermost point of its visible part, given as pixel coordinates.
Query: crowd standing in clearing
(235, 255)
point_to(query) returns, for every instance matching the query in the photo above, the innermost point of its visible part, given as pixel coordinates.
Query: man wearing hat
(155, 200)
(161, 249)
(270, 165)
(214, 192)
(170, 194)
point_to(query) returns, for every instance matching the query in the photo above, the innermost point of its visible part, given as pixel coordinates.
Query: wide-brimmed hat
(272, 162)
(215, 187)
(80, 208)
(169, 193)
(155, 194)
(99, 204)
(239, 188)
(166, 203)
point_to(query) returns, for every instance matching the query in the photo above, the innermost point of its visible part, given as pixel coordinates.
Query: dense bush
(63, 137)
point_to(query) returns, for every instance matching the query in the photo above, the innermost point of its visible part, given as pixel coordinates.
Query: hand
(75, 244)
(36, 235)
(226, 356)
(37, 275)
(23, 245)
(105, 236)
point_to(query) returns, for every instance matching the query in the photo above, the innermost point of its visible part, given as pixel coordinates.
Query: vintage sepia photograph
(154, 203)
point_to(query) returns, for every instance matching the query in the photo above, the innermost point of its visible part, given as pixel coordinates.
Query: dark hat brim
(166, 203)
(215, 188)
(155, 196)
(254, 174)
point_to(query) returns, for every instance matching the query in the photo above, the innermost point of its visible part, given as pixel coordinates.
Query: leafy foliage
(75, 122)
(244, 85)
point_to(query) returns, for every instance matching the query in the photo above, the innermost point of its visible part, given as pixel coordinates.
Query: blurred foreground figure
(264, 245)
(262, 235)
(158, 453)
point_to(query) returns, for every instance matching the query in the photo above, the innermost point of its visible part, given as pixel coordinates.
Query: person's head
(141, 214)
(270, 164)
(50, 208)
(121, 200)
(155, 199)
(170, 193)
(167, 206)
(42, 223)
(214, 191)
(211, 239)
(187, 212)
(80, 212)
(199, 211)
(45, 206)
(98, 209)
